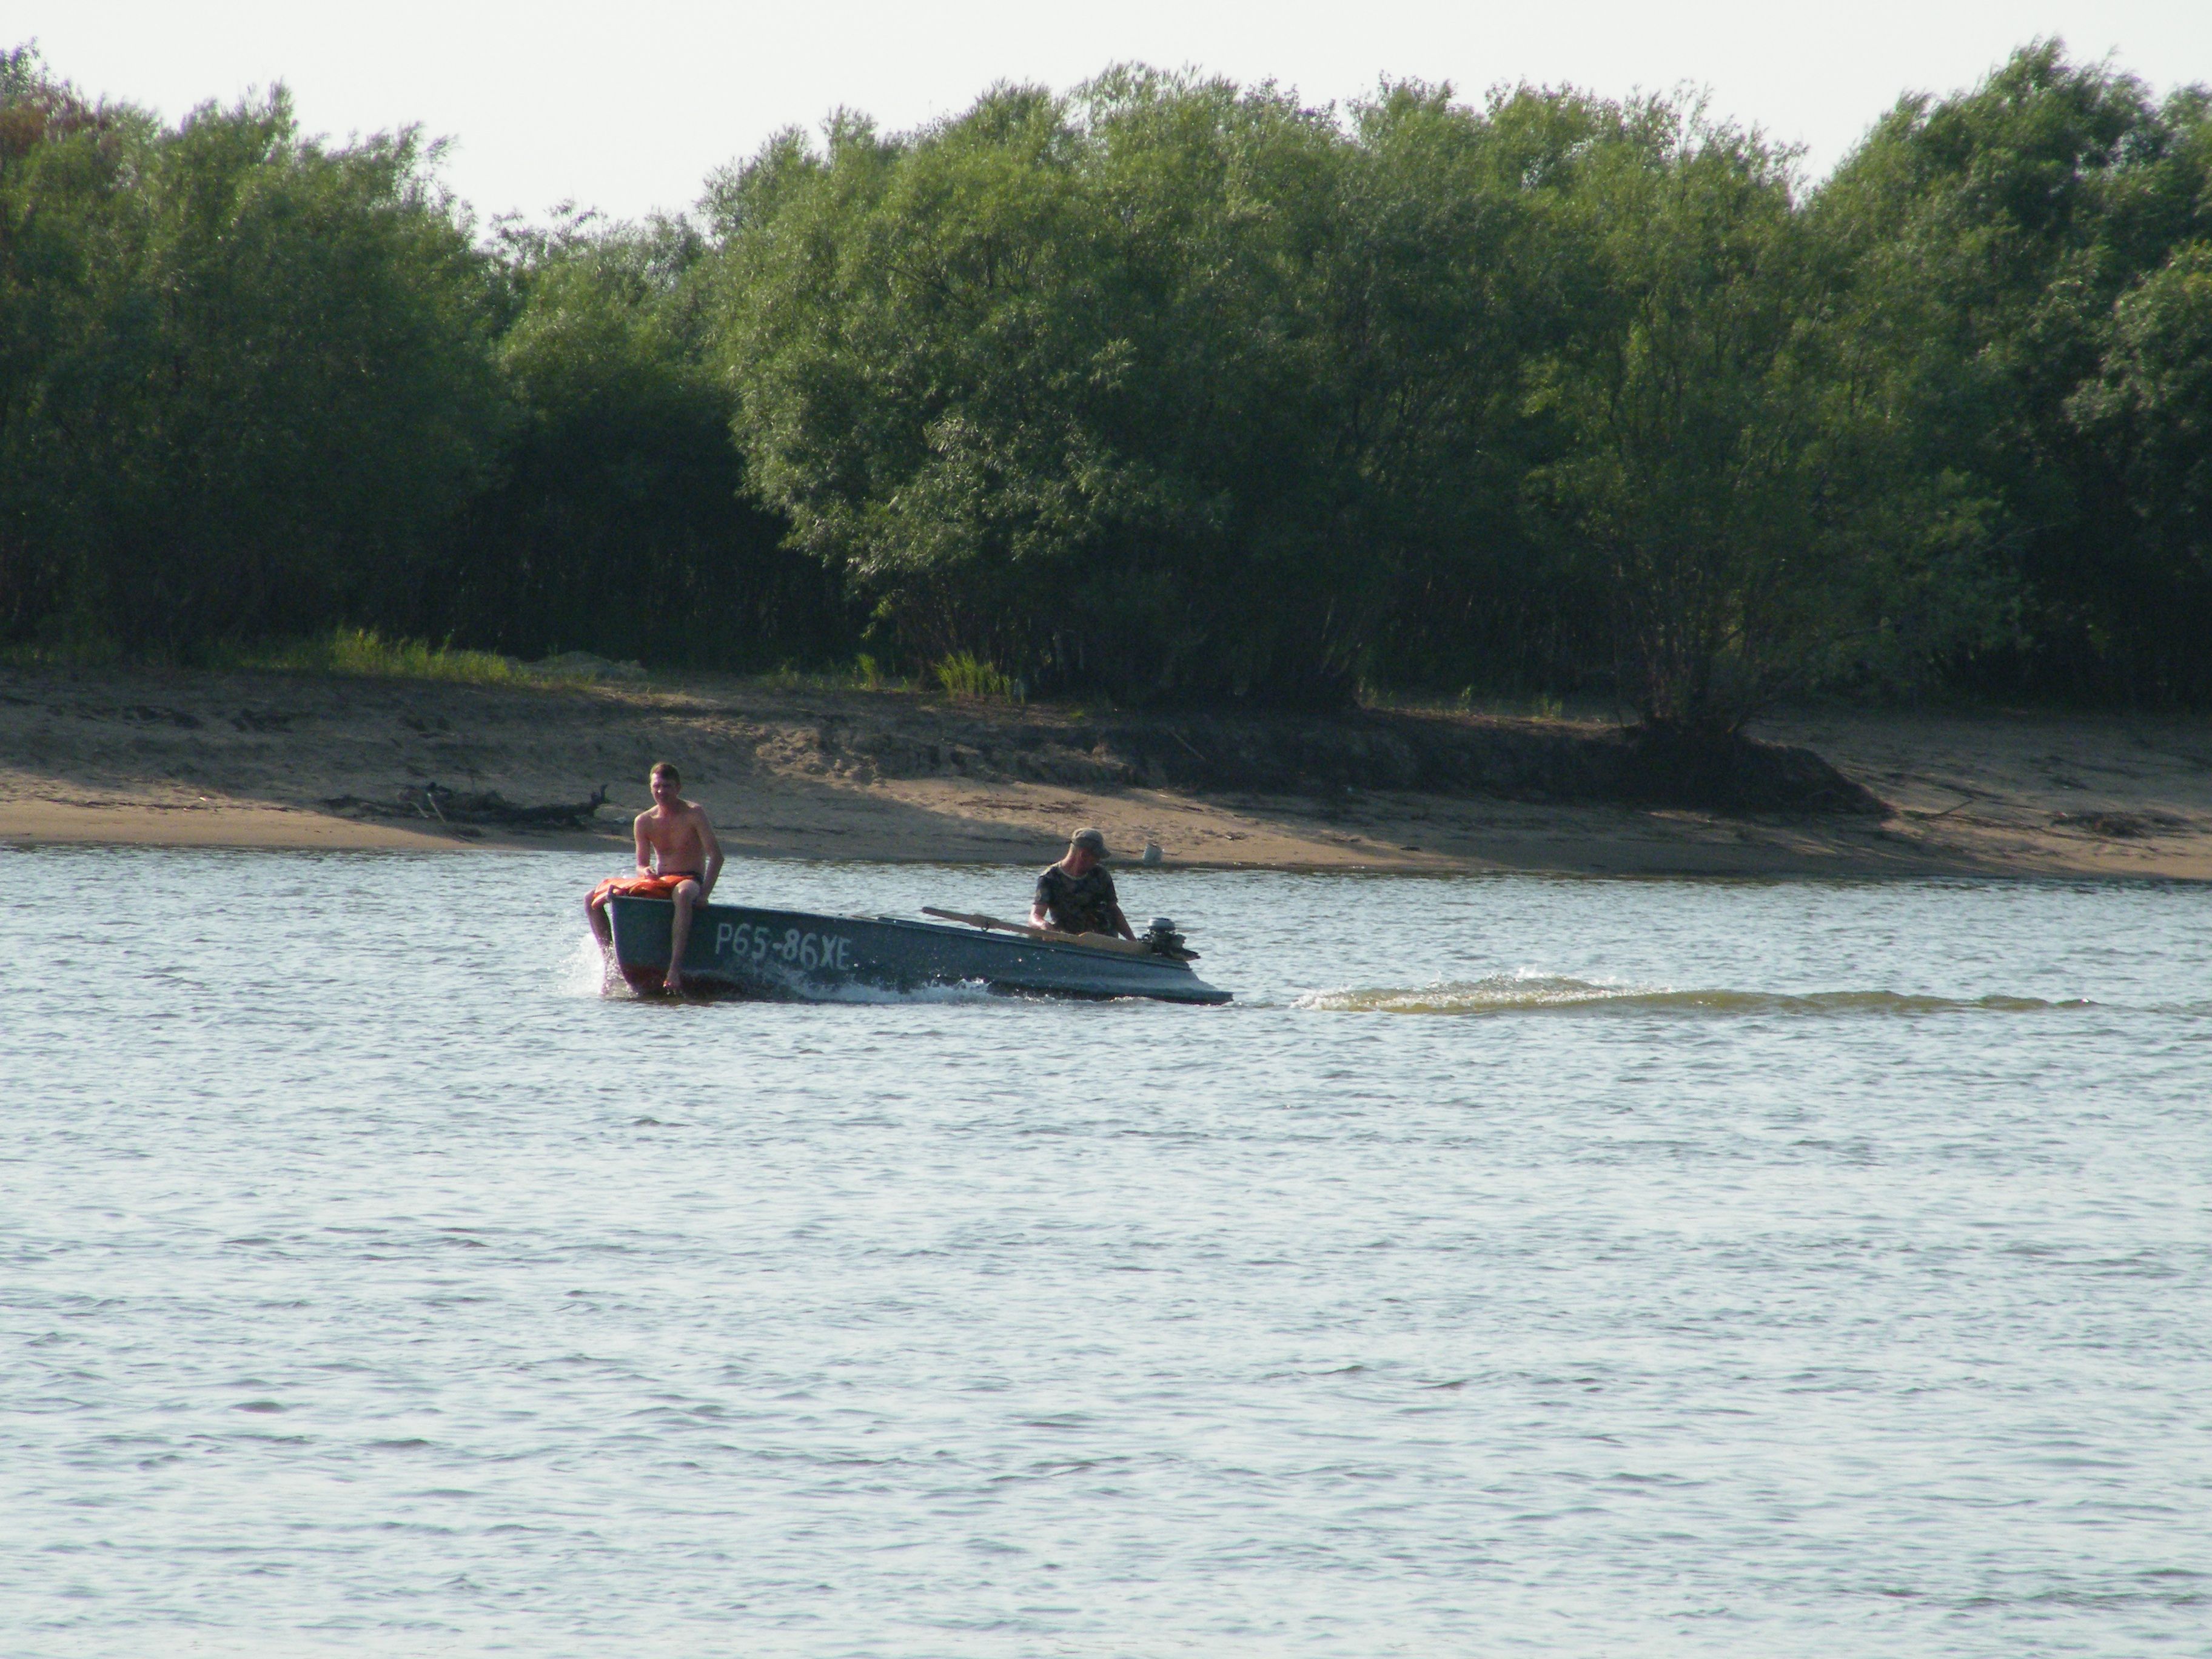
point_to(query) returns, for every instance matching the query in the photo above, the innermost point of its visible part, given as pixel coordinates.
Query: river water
(1519, 1265)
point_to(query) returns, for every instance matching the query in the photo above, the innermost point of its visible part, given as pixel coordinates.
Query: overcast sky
(628, 107)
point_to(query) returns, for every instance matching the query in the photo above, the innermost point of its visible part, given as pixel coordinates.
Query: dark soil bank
(424, 750)
(1426, 753)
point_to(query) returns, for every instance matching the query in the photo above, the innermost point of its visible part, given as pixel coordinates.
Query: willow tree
(620, 520)
(1150, 388)
(1995, 237)
(2149, 411)
(249, 374)
(1727, 472)
(71, 222)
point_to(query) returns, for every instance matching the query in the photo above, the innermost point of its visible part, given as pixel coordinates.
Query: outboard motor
(1166, 942)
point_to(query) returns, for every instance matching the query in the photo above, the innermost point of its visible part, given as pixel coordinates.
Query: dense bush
(1168, 386)
(2025, 251)
(1192, 393)
(255, 387)
(619, 520)
(1164, 387)
(249, 378)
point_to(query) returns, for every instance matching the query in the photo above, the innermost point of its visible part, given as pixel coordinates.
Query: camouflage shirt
(1078, 904)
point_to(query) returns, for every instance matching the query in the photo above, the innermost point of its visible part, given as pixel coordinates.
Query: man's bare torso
(677, 840)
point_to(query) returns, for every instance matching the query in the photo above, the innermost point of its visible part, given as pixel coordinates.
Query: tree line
(1165, 388)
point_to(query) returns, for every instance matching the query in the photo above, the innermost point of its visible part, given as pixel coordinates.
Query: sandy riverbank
(258, 760)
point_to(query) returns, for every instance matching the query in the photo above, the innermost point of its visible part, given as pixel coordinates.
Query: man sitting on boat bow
(677, 858)
(1076, 895)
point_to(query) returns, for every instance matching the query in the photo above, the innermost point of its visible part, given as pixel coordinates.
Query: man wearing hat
(1076, 895)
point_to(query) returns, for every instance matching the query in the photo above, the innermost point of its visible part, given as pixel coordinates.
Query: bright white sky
(628, 107)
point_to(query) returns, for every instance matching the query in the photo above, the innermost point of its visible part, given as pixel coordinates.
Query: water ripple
(369, 1283)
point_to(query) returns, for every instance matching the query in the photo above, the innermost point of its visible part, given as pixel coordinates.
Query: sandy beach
(145, 757)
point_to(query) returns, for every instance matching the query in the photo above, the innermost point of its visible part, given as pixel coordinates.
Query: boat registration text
(758, 942)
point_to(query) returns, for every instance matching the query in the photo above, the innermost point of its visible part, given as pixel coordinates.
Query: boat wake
(1520, 994)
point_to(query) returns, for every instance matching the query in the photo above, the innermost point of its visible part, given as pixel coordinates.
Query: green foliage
(620, 520)
(965, 675)
(250, 376)
(1990, 242)
(69, 222)
(2149, 415)
(2154, 396)
(1180, 390)
(864, 673)
(365, 652)
(1143, 388)
(1721, 480)
(254, 386)
(1162, 389)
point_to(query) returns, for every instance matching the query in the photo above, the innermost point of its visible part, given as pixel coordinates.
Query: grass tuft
(365, 652)
(865, 674)
(968, 676)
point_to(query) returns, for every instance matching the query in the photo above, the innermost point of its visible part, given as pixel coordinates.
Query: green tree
(1153, 388)
(249, 377)
(1183, 390)
(1722, 477)
(1990, 238)
(318, 398)
(2149, 409)
(70, 226)
(1446, 279)
(620, 522)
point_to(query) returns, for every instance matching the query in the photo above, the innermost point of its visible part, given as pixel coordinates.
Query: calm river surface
(1521, 1265)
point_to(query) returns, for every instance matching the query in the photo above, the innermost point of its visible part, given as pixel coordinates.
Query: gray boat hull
(797, 955)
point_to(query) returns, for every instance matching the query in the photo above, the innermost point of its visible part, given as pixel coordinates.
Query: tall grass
(356, 651)
(965, 675)
(865, 674)
(968, 675)
(365, 651)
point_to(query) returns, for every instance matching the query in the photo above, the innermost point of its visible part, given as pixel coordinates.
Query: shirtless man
(675, 842)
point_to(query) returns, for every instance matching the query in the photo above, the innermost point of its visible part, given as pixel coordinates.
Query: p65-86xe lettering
(757, 942)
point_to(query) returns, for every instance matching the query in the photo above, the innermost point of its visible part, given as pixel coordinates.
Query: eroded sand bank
(259, 760)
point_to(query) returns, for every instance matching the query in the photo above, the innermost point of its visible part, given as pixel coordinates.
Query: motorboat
(799, 956)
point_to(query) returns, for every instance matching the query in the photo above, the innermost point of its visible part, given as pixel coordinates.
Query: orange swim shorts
(638, 887)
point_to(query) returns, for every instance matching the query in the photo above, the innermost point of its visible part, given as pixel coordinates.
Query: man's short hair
(665, 769)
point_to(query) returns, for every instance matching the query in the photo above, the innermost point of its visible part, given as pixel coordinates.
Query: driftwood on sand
(440, 805)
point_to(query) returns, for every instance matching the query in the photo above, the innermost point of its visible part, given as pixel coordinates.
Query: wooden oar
(1128, 947)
